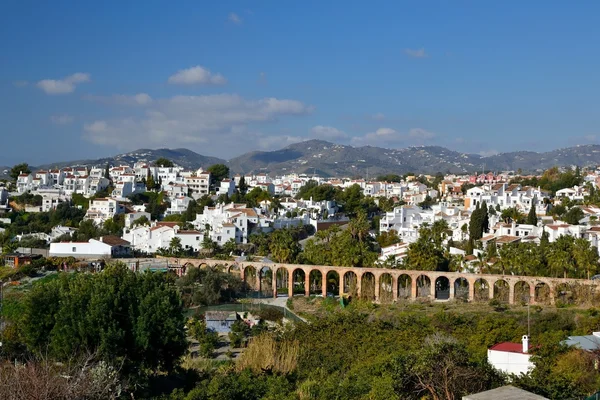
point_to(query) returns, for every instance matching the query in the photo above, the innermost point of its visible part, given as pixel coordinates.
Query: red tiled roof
(508, 347)
(114, 241)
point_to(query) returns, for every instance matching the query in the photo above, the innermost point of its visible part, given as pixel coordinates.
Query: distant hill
(183, 157)
(330, 159)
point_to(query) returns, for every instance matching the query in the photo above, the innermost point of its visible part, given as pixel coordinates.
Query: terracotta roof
(170, 224)
(508, 347)
(470, 257)
(228, 225)
(507, 239)
(114, 241)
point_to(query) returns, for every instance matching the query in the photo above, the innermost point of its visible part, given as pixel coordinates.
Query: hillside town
(403, 205)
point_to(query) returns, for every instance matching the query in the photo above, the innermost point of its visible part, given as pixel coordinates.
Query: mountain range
(329, 159)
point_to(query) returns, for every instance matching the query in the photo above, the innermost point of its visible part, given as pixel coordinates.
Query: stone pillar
(274, 272)
(552, 294)
(291, 284)
(511, 293)
(377, 288)
(358, 285)
(341, 283)
(471, 297)
(451, 284)
(413, 287)
(307, 283)
(491, 289)
(532, 298)
(395, 288)
(324, 284)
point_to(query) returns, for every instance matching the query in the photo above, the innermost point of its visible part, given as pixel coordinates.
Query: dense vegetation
(402, 352)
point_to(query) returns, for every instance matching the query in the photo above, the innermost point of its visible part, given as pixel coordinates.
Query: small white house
(511, 358)
(106, 247)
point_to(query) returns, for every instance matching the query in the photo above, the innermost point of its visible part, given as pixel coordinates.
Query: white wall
(511, 363)
(93, 249)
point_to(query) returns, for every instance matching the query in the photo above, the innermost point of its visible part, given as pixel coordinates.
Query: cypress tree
(532, 218)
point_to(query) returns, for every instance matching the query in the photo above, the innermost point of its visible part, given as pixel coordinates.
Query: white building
(198, 184)
(511, 358)
(179, 205)
(105, 247)
(100, 210)
(507, 196)
(131, 217)
(227, 187)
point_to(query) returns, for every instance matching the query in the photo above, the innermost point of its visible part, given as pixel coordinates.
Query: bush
(270, 314)
(497, 305)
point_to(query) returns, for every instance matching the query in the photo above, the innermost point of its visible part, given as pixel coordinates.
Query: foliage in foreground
(134, 320)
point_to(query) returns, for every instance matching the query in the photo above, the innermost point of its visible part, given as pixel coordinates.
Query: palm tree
(560, 256)
(585, 255)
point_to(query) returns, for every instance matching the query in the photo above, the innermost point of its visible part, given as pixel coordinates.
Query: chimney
(525, 344)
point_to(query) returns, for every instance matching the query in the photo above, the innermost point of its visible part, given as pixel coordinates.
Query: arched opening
(298, 281)
(315, 282)
(522, 293)
(461, 289)
(282, 280)
(481, 290)
(333, 283)
(564, 294)
(423, 286)
(501, 291)
(220, 267)
(404, 286)
(442, 288)
(266, 282)
(234, 269)
(367, 286)
(250, 281)
(386, 285)
(203, 265)
(542, 293)
(350, 284)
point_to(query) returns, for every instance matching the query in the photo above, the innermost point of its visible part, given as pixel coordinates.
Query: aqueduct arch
(335, 281)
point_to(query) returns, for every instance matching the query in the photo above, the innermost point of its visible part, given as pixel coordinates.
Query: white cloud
(61, 119)
(262, 78)
(327, 132)
(222, 123)
(378, 116)
(65, 85)
(196, 75)
(419, 133)
(140, 99)
(416, 53)
(388, 137)
(233, 17)
(488, 153)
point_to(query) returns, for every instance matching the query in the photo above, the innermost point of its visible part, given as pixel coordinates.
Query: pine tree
(107, 172)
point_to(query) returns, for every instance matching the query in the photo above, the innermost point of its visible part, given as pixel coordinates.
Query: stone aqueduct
(392, 284)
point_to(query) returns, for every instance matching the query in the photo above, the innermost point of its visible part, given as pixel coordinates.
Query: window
(197, 237)
(74, 249)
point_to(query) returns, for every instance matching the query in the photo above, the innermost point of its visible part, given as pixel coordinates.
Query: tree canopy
(122, 316)
(18, 169)
(164, 162)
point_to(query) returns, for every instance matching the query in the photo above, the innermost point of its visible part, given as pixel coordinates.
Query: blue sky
(82, 79)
